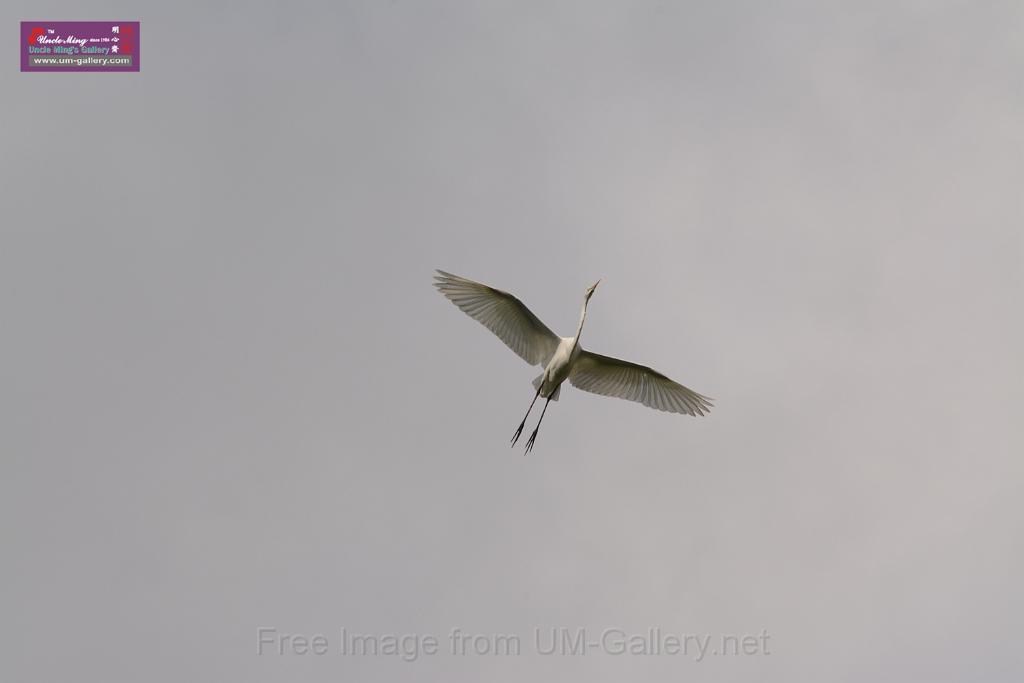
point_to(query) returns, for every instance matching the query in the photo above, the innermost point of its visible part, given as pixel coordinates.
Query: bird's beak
(596, 284)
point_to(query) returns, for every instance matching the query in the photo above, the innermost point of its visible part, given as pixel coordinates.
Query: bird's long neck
(579, 328)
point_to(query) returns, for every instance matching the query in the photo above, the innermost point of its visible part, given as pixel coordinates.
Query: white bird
(562, 357)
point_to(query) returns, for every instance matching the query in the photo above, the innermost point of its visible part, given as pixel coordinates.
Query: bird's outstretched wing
(503, 314)
(619, 378)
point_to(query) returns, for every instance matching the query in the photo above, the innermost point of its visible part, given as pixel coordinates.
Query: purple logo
(79, 46)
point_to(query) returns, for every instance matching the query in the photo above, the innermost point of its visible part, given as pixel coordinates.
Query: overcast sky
(231, 398)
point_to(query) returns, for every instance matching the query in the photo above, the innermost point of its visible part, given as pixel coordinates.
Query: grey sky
(232, 399)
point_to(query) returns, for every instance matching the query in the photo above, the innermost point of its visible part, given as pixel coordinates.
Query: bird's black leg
(523, 423)
(533, 437)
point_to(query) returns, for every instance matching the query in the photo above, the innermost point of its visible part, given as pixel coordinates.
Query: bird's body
(562, 357)
(559, 367)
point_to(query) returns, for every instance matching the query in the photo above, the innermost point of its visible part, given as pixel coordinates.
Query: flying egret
(562, 357)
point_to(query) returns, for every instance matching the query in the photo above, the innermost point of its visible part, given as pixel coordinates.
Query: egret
(562, 357)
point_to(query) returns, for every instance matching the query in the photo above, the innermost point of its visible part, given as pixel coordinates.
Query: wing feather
(503, 314)
(609, 376)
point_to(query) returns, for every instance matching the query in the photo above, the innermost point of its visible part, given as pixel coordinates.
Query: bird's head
(590, 290)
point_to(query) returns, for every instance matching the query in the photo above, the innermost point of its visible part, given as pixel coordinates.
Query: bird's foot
(529, 444)
(518, 432)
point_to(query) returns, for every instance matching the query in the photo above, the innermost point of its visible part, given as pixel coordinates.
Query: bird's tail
(539, 380)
